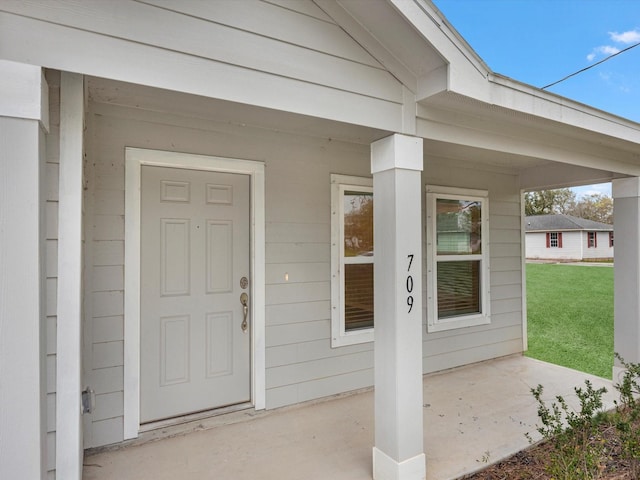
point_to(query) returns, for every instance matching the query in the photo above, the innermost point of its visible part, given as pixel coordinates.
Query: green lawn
(570, 316)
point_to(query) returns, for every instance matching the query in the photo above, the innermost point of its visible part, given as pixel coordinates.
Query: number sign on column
(409, 284)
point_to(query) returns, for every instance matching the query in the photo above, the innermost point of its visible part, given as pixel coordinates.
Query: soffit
(509, 126)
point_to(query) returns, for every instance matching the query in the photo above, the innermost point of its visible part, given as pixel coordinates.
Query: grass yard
(570, 316)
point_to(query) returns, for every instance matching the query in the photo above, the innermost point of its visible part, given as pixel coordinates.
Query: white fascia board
(561, 175)
(514, 95)
(626, 187)
(432, 129)
(465, 72)
(24, 92)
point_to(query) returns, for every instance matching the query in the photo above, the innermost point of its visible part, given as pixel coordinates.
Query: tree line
(596, 206)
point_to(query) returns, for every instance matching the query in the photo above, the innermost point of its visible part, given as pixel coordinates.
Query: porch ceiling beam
(531, 144)
(560, 175)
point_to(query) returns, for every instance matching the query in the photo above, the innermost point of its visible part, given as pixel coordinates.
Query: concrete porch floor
(471, 414)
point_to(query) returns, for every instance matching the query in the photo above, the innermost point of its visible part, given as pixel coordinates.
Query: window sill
(352, 338)
(457, 322)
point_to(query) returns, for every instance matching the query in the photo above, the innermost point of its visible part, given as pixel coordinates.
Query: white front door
(194, 347)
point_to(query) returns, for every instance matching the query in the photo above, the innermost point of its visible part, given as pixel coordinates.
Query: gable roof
(558, 222)
(330, 65)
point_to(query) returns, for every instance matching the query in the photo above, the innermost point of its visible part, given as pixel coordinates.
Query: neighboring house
(185, 218)
(565, 237)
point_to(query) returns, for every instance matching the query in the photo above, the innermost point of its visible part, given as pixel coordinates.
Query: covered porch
(401, 98)
(473, 416)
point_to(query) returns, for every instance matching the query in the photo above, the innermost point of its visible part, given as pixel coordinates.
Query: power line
(591, 66)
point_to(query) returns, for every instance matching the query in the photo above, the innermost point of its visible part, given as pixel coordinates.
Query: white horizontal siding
(306, 351)
(574, 246)
(256, 53)
(108, 253)
(473, 354)
(301, 365)
(602, 250)
(322, 387)
(503, 335)
(314, 369)
(282, 273)
(236, 32)
(296, 312)
(300, 361)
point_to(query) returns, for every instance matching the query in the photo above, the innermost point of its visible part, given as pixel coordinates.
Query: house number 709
(409, 284)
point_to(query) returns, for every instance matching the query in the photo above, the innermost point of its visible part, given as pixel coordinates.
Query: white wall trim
(523, 260)
(434, 323)
(23, 372)
(24, 92)
(339, 337)
(69, 444)
(386, 468)
(135, 158)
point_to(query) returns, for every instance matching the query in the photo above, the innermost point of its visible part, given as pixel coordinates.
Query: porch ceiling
(455, 128)
(187, 106)
(545, 153)
(470, 413)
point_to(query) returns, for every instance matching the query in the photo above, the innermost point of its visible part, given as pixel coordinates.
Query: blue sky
(541, 41)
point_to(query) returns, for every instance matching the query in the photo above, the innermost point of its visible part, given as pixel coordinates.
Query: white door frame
(135, 158)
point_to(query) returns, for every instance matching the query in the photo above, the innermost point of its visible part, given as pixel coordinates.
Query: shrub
(579, 450)
(626, 415)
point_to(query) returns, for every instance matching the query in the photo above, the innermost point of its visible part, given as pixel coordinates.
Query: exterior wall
(51, 270)
(602, 251)
(300, 362)
(301, 365)
(574, 247)
(503, 336)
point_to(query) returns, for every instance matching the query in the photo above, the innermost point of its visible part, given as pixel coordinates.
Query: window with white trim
(592, 240)
(554, 239)
(352, 260)
(457, 258)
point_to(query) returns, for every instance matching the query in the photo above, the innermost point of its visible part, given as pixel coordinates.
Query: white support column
(396, 164)
(626, 200)
(69, 446)
(23, 118)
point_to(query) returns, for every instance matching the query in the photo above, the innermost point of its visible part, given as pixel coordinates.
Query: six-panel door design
(195, 355)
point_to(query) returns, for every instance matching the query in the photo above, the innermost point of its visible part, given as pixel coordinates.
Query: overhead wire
(591, 66)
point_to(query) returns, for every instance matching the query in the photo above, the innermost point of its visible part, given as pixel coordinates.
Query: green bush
(580, 450)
